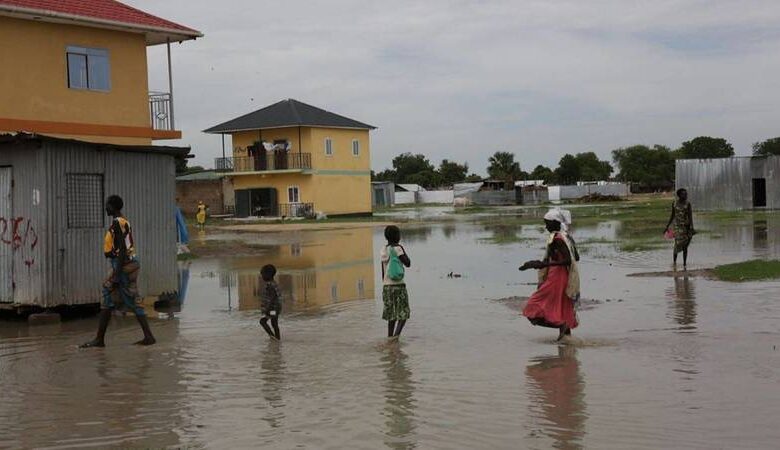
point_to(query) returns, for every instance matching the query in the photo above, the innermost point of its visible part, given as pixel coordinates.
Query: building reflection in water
(399, 400)
(557, 396)
(760, 234)
(682, 301)
(326, 267)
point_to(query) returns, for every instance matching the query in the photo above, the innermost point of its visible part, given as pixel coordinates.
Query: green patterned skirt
(396, 301)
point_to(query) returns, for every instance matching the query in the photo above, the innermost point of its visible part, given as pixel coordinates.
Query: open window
(759, 192)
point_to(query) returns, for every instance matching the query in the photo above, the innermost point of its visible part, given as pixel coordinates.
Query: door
(759, 192)
(6, 232)
(243, 203)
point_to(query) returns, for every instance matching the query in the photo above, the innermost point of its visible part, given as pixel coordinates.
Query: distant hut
(731, 183)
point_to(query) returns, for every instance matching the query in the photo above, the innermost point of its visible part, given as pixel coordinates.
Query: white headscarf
(560, 215)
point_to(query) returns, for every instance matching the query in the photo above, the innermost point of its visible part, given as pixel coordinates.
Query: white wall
(404, 198)
(435, 197)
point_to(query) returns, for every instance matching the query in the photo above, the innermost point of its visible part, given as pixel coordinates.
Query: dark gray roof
(7, 140)
(288, 113)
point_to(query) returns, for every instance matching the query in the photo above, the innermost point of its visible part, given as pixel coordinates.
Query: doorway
(263, 202)
(759, 192)
(6, 223)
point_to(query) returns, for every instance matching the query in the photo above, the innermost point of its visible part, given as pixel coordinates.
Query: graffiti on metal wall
(19, 234)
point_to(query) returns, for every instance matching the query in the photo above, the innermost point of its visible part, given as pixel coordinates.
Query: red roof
(98, 10)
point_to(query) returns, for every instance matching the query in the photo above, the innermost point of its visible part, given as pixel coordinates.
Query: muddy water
(658, 362)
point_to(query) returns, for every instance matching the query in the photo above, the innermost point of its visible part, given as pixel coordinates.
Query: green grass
(641, 245)
(757, 269)
(186, 257)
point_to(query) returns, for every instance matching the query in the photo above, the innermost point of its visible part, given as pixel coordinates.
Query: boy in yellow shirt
(119, 248)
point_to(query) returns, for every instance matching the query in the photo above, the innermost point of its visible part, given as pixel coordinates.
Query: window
(361, 289)
(293, 194)
(328, 146)
(88, 68)
(84, 202)
(334, 292)
(355, 147)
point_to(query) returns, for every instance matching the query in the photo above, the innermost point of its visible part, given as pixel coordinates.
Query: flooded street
(658, 362)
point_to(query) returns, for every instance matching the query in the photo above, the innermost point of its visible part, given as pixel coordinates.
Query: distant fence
(495, 198)
(404, 198)
(572, 192)
(435, 197)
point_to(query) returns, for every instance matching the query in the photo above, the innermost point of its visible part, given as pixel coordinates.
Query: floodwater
(656, 362)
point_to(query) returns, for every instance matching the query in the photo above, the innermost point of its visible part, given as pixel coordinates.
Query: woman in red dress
(552, 305)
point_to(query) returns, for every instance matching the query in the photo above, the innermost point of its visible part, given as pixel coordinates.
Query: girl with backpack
(394, 296)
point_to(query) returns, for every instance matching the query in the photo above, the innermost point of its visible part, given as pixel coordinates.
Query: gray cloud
(462, 79)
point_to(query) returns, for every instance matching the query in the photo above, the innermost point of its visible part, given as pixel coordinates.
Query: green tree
(407, 164)
(703, 147)
(386, 175)
(650, 167)
(452, 172)
(541, 172)
(767, 147)
(568, 171)
(591, 168)
(473, 178)
(504, 167)
(427, 179)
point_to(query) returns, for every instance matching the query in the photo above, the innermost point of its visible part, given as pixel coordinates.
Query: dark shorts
(124, 289)
(272, 310)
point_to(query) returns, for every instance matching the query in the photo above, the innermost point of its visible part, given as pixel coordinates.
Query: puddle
(657, 361)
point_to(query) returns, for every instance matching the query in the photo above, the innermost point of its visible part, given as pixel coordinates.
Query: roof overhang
(154, 35)
(177, 152)
(213, 131)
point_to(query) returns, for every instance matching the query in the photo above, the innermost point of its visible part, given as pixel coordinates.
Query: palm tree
(504, 167)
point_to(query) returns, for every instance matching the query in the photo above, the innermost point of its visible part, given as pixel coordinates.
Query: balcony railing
(267, 161)
(160, 111)
(296, 210)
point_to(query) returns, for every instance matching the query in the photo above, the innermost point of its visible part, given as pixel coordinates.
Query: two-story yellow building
(77, 69)
(291, 159)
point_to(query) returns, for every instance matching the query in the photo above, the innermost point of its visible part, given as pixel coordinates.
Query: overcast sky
(463, 79)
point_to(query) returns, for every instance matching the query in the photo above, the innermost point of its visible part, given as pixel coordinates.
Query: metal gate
(6, 233)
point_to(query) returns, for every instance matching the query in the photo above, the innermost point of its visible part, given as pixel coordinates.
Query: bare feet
(93, 343)
(146, 341)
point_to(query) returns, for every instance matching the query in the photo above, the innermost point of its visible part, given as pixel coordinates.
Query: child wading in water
(394, 296)
(552, 305)
(119, 248)
(271, 302)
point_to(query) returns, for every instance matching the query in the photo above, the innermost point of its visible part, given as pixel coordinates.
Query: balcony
(161, 111)
(265, 162)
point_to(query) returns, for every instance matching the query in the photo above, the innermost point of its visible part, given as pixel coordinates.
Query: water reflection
(273, 375)
(682, 301)
(399, 400)
(337, 267)
(416, 234)
(760, 234)
(557, 396)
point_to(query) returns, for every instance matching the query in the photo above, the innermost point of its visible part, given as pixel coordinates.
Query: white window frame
(328, 146)
(297, 191)
(356, 146)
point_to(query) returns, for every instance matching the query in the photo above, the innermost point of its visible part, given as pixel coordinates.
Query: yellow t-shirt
(110, 247)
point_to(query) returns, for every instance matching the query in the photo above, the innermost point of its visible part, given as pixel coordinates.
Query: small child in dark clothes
(271, 302)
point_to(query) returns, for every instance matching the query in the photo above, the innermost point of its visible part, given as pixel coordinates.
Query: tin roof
(9, 139)
(102, 14)
(288, 113)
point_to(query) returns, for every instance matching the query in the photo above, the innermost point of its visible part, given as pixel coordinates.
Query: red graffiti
(23, 237)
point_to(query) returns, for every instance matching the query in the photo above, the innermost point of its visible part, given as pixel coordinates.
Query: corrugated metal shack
(731, 183)
(52, 217)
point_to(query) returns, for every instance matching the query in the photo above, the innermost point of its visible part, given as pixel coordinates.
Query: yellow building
(293, 159)
(324, 268)
(77, 69)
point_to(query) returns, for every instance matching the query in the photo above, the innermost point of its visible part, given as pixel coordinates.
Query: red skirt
(549, 306)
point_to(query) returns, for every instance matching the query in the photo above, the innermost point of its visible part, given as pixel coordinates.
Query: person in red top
(552, 305)
(119, 248)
